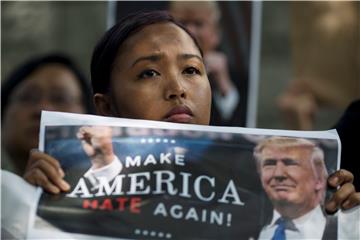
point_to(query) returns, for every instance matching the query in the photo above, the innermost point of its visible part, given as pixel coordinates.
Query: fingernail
(65, 185)
(334, 180)
(346, 204)
(53, 190)
(33, 150)
(62, 174)
(331, 205)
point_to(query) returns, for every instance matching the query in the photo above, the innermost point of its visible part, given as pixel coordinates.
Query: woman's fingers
(53, 174)
(339, 177)
(340, 197)
(352, 201)
(45, 171)
(37, 177)
(35, 155)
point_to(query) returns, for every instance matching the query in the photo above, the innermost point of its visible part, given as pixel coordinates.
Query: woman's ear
(103, 105)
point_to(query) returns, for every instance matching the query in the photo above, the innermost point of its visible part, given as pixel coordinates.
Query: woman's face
(159, 75)
(50, 87)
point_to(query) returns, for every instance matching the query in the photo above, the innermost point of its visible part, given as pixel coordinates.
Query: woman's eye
(191, 71)
(148, 74)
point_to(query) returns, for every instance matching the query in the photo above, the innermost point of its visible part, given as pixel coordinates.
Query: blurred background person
(325, 48)
(50, 82)
(202, 19)
(325, 54)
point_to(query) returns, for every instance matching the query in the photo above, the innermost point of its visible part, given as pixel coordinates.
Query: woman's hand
(345, 197)
(45, 171)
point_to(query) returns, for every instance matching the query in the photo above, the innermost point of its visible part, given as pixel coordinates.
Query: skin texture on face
(159, 75)
(51, 87)
(200, 20)
(289, 179)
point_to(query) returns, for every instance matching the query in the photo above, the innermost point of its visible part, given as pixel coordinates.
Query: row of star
(157, 140)
(145, 232)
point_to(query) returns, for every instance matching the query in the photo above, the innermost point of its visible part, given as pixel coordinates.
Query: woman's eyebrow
(152, 58)
(186, 56)
(157, 57)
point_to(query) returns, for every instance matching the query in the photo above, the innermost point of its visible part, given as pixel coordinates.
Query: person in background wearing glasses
(50, 82)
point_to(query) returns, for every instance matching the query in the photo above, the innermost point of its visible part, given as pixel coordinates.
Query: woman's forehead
(158, 37)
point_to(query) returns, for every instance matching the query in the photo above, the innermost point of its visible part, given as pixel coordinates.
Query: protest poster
(163, 180)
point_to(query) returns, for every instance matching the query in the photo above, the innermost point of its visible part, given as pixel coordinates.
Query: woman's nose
(175, 89)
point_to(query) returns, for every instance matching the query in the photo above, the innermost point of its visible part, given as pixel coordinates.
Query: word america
(140, 184)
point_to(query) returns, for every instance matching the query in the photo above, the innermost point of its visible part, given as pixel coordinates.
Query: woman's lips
(180, 114)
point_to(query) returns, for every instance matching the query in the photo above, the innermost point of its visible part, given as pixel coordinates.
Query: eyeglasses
(59, 98)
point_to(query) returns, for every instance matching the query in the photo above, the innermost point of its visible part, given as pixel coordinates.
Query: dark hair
(106, 49)
(24, 70)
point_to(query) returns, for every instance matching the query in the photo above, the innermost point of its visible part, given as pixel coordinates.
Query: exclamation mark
(229, 220)
(203, 218)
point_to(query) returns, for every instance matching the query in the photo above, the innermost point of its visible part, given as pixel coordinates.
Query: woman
(150, 67)
(49, 82)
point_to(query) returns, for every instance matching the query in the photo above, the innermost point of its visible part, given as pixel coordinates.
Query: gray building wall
(33, 28)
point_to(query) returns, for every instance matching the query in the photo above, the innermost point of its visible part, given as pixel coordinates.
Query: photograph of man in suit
(293, 175)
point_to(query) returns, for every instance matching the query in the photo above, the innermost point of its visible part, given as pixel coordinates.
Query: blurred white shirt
(309, 226)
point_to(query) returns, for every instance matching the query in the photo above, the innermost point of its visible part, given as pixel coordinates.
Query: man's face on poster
(288, 176)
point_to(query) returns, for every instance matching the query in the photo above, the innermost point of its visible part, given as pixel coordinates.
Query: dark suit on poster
(238, 116)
